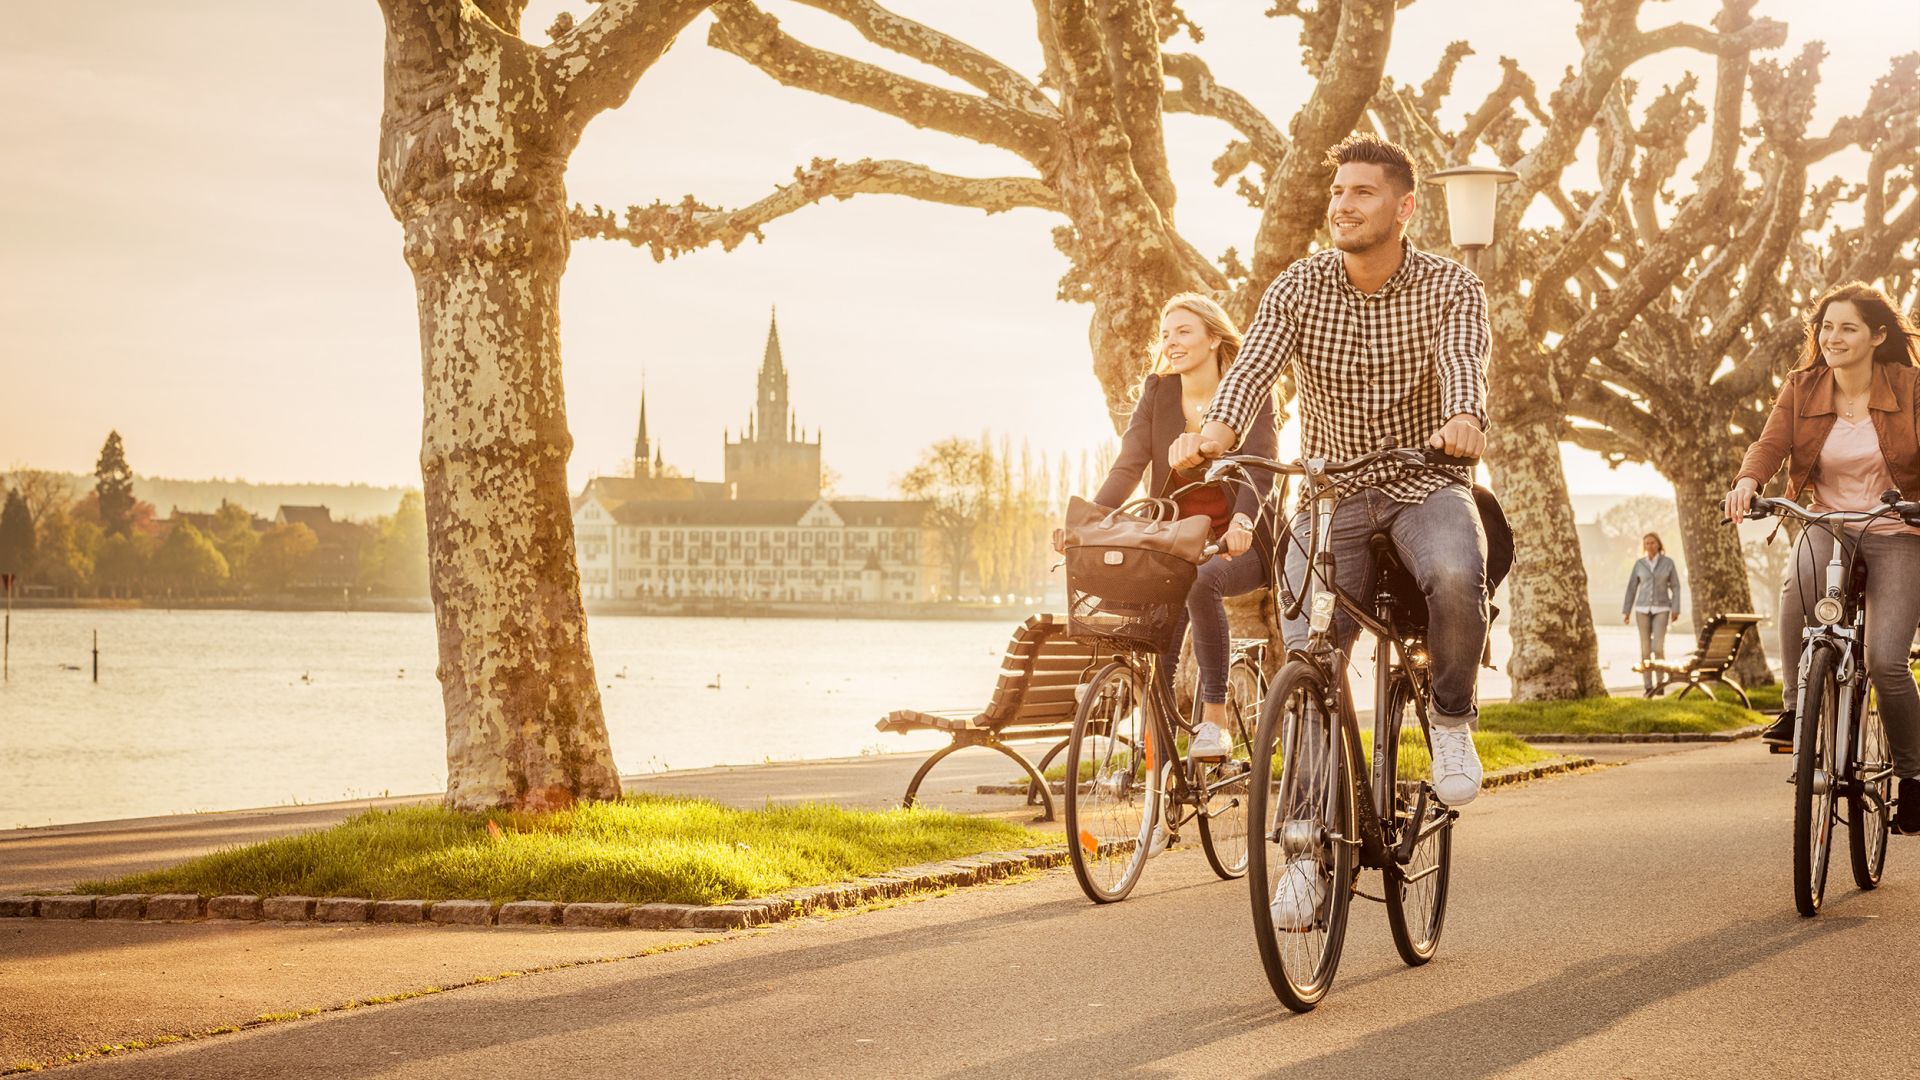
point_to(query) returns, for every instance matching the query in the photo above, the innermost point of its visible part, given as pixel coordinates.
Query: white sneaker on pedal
(1296, 896)
(1209, 743)
(1456, 765)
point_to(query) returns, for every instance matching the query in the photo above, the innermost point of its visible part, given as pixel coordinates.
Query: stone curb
(1646, 736)
(1498, 778)
(734, 915)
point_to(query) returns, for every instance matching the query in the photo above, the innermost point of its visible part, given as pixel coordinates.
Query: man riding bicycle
(1388, 346)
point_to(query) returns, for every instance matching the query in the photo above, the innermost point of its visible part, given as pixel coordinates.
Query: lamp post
(1471, 191)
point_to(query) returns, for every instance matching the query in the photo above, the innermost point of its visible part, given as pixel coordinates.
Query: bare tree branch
(754, 36)
(1348, 77)
(1200, 95)
(935, 49)
(1131, 33)
(669, 230)
(595, 66)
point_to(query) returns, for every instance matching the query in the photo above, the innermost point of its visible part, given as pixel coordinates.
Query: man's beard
(1363, 240)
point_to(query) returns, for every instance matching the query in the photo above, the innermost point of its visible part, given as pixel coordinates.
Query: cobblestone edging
(1499, 778)
(737, 914)
(1648, 736)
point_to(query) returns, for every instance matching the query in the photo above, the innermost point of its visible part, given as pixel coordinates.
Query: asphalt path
(1632, 921)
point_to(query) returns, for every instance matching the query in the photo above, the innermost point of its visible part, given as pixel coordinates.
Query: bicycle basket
(1128, 574)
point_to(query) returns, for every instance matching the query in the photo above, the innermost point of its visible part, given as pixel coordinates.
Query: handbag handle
(1153, 509)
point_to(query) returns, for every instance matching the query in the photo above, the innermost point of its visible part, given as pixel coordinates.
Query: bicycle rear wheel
(1223, 828)
(1111, 805)
(1868, 819)
(1300, 867)
(1813, 788)
(1416, 892)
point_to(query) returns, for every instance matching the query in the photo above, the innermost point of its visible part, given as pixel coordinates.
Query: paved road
(1625, 922)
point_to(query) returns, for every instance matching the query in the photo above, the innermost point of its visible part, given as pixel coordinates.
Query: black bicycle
(1839, 742)
(1129, 788)
(1332, 811)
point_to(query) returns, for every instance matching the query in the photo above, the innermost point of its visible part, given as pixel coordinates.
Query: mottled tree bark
(1556, 654)
(473, 147)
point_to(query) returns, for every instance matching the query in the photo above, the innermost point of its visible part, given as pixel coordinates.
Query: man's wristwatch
(1241, 521)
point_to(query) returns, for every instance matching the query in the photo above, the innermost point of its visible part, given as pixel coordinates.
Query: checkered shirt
(1382, 370)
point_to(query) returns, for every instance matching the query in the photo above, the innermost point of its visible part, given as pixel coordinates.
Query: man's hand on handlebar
(1740, 499)
(1460, 437)
(1195, 448)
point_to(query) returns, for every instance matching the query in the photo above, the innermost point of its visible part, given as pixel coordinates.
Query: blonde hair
(1212, 316)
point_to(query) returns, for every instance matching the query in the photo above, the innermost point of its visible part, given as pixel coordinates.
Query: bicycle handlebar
(1764, 507)
(1424, 458)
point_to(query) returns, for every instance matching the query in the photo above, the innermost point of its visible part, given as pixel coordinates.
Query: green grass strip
(1607, 715)
(640, 849)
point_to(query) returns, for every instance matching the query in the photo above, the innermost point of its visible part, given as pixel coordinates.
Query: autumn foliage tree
(478, 126)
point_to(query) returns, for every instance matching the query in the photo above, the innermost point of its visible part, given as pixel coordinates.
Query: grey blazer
(1655, 584)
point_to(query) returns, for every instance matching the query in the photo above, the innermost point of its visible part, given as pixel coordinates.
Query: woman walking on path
(1847, 425)
(1198, 342)
(1653, 597)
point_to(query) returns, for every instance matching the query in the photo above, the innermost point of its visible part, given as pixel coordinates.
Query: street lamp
(1471, 190)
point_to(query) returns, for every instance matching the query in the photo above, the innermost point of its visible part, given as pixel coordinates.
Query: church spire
(772, 404)
(640, 442)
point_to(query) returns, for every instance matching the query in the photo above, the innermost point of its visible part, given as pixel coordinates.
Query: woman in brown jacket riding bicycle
(1847, 425)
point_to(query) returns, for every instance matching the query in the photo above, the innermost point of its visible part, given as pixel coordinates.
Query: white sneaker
(1456, 765)
(1296, 896)
(1209, 743)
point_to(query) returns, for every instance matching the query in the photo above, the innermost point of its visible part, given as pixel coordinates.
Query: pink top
(1853, 472)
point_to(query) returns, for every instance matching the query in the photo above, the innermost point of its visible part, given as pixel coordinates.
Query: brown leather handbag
(1129, 568)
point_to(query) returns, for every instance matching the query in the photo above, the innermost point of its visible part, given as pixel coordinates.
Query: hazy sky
(193, 249)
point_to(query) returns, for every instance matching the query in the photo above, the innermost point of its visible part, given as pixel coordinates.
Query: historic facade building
(764, 534)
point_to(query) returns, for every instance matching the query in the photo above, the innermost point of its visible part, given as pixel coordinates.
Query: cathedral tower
(773, 459)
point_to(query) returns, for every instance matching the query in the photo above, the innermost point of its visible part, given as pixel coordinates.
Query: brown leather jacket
(1803, 416)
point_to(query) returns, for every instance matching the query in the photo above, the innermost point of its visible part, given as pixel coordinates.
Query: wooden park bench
(1033, 700)
(1720, 639)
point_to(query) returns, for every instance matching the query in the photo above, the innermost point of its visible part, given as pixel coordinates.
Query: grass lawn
(640, 849)
(1615, 714)
(1765, 697)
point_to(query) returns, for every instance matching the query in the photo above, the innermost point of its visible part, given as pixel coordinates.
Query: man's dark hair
(1370, 149)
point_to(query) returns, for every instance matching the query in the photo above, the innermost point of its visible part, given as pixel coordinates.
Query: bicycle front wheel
(1415, 891)
(1111, 804)
(1868, 820)
(1300, 866)
(1223, 828)
(1813, 781)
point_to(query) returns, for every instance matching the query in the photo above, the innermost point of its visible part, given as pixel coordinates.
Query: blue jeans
(1441, 543)
(1220, 577)
(1893, 611)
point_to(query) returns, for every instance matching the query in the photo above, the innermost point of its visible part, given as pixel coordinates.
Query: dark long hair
(1902, 344)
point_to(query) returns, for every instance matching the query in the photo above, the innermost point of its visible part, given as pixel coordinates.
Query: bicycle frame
(1161, 733)
(1396, 657)
(1846, 630)
(1849, 642)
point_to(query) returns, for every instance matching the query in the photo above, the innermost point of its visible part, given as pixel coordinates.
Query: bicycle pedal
(1776, 748)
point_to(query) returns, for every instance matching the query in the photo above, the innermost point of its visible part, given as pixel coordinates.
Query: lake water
(220, 710)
